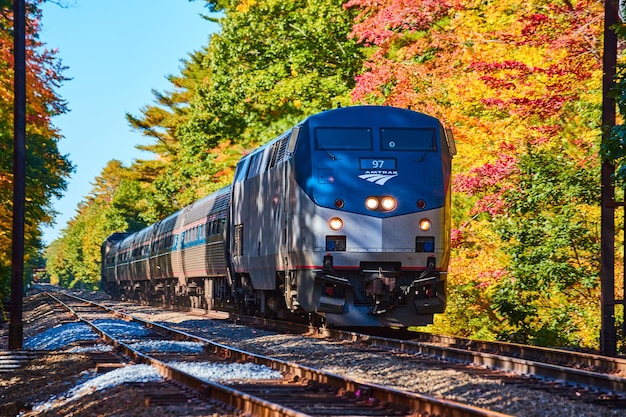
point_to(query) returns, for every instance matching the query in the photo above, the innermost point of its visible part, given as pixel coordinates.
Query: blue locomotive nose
(371, 167)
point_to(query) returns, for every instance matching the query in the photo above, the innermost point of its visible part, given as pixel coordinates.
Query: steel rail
(577, 377)
(588, 360)
(510, 357)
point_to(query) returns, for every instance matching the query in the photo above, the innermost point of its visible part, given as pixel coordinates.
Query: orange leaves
(46, 168)
(469, 61)
(511, 78)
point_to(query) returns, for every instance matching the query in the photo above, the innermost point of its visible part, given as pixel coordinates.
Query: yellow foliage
(245, 5)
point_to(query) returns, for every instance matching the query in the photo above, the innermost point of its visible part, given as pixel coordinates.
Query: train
(342, 220)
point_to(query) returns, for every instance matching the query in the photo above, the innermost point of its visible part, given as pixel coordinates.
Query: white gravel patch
(131, 373)
(60, 336)
(227, 371)
(168, 346)
(88, 349)
(128, 330)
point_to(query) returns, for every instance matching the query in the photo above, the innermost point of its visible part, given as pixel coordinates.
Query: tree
(113, 205)
(513, 80)
(553, 241)
(47, 170)
(272, 64)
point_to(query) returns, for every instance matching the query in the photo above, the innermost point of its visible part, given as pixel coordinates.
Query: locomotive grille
(273, 154)
(238, 240)
(278, 151)
(282, 148)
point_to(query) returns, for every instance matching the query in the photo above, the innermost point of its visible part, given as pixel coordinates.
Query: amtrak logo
(378, 177)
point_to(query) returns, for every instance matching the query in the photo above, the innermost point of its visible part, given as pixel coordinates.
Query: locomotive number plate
(377, 163)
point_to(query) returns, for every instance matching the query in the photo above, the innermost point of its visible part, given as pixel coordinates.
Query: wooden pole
(608, 339)
(16, 326)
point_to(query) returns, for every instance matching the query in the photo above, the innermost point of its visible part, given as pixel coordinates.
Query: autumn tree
(515, 81)
(116, 203)
(46, 169)
(547, 91)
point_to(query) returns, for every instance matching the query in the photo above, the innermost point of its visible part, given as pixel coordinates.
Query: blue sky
(117, 52)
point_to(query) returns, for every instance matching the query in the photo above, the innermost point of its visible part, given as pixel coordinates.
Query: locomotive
(344, 219)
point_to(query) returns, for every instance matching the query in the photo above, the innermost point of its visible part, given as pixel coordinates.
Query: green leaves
(116, 203)
(551, 237)
(614, 146)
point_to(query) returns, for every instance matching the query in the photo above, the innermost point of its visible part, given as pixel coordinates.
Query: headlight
(335, 223)
(371, 203)
(381, 203)
(425, 225)
(388, 203)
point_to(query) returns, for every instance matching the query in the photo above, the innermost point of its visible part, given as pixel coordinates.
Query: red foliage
(488, 176)
(489, 277)
(457, 237)
(489, 181)
(43, 71)
(542, 100)
(562, 26)
(380, 20)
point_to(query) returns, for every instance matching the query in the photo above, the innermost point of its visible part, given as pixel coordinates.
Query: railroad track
(601, 377)
(605, 374)
(301, 391)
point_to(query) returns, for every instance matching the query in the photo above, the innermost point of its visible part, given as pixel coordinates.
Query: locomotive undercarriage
(376, 294)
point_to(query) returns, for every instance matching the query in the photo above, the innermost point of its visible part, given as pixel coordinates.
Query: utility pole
(16, 326)
(608, 338)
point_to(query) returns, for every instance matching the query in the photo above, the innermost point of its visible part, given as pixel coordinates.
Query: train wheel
(274, 305)
(317, 320)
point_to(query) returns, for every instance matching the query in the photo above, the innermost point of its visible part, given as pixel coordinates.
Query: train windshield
(327, 138)
(408, 139)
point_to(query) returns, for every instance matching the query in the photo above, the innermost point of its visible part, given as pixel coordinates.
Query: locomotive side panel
(258, 217)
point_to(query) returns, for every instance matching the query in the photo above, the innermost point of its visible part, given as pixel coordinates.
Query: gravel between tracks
(399, 370)
(56, 373)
